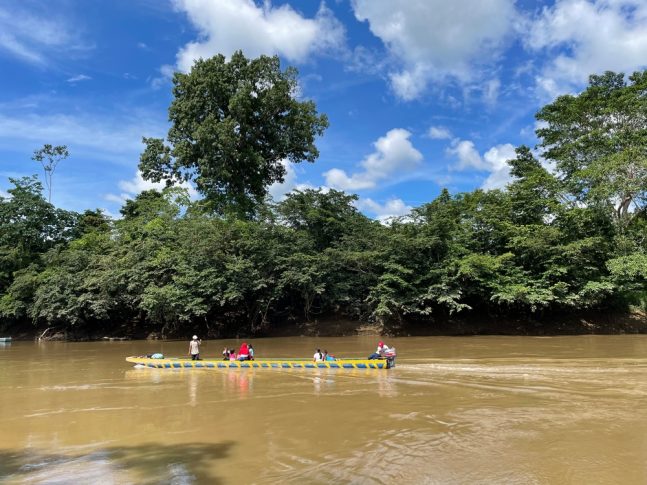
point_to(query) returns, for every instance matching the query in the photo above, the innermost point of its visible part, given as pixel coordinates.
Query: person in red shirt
(243, 353)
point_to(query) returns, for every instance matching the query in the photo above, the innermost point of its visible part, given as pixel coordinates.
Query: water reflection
(193, 389)
(238, 382)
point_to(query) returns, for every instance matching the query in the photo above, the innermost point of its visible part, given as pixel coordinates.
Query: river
(455, 410)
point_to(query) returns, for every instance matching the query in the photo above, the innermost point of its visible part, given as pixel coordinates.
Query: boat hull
(214, 364)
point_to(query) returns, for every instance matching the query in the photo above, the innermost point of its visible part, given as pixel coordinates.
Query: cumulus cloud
(393, 154)
(391, 209)
(278, 191)
(436, 39)
(467, 155)
(225, 26)
(493, 161)
(496, 159)
(590, 37)
(130, 188)
(439, 133)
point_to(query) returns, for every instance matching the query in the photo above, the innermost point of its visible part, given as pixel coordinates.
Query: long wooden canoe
(179, 363)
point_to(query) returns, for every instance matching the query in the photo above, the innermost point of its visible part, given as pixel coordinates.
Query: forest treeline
(553, 242)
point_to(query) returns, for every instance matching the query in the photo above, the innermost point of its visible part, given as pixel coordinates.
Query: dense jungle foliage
(569, 239)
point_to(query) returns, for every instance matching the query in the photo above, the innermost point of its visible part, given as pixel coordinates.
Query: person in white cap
(194, 348)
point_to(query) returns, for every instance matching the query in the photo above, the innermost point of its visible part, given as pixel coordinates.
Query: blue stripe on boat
(334, 366)
(347, 366)
(176, 365)
(361, 366)
(286, 366)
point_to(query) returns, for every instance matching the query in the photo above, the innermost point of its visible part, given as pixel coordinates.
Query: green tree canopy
(233, 123)
(598, 140)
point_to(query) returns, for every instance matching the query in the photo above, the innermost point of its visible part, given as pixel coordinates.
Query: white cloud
(589, 37)
(394, 154)
(496, 159)
(467, 155)
(118, 199)
(33, 39)
(493, 161)
(225, 26)
(78, 78)
(114, 139)
(384, 212)
(439, 133)
(491, 91)
(278, 190)
(167, 71)
(435, 39)
(4, 194)
(130, 188)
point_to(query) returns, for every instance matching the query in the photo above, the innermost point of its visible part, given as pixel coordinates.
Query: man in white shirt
(194, 348)
(318, 357)
(382, 348)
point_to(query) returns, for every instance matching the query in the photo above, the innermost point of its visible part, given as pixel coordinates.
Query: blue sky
(420, 94)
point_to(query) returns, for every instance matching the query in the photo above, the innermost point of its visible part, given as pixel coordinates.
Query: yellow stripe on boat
(172, 363)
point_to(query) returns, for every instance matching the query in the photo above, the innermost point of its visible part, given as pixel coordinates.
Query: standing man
(194, 348)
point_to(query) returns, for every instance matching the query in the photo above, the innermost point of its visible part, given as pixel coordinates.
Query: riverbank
(610, 323)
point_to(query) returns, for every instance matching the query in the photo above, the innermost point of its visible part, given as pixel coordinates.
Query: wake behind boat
(185, 363)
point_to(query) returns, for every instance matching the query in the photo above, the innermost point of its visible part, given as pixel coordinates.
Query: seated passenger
(225, 354)
(243, 353)
(327, 356)
(382, 349)
(318, 357)
(232, 354)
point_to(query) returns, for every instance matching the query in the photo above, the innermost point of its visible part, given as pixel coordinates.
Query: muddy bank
(574, 324)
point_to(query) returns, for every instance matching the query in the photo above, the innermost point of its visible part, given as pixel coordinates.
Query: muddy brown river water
(455, 410)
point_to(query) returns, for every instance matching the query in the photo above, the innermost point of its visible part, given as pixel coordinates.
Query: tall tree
(598, 140)
(233, 123)
(49, 157)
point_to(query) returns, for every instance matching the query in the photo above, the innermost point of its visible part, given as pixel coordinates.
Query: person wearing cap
(382, 348)
(194, 348)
